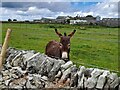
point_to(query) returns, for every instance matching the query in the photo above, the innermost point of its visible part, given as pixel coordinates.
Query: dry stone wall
(30, 69)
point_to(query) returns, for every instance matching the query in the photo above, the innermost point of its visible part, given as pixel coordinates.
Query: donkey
(59, 49)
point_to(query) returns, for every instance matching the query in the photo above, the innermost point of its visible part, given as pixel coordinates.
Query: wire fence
(25, 26)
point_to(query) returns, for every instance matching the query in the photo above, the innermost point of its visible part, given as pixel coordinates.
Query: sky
(36, 10)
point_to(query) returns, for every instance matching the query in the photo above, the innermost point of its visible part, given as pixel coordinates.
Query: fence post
(4, 47)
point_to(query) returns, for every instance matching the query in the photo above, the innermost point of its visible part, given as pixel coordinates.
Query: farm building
(36, 20)
(62, 19)
(78, 21)
(85, 20)
(45, 20)
(110, 22)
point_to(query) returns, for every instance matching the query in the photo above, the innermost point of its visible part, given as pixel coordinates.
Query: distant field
(89, 46)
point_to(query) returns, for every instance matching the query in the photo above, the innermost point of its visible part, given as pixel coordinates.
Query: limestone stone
(44, 78)
(74, 77)
(91, 82)
(59, 74)
(102, 79)
(81, 76)
(88, 72)
(1, 78)
(66, 65)
(66, 73)
(55, 69)
(25, 69)
(96, 72)
(81, 81)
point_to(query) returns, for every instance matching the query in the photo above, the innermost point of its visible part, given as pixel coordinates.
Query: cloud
(106, 9)
(36, 10)
(53, 6)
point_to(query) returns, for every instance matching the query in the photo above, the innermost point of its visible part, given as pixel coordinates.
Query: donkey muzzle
(64, 55)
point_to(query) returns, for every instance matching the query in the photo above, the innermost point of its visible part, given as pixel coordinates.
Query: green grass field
(90, 46)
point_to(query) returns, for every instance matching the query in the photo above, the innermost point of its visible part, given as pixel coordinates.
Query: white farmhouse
(77, 21)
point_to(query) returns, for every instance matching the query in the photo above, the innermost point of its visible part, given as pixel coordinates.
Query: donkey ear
(72, 33)
(59, 34)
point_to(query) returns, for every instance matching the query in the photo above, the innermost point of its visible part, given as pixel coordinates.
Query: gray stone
(113, 80)
(81, 71)
(96, 73)
(36, 76)
(49, 85)
(81, 80)
(40, 64)
(6, 72)
(18, 83)
(35, 65)
(66, 65)
(28, 58)
(28, 55)
(8, 61)
(66, 74)
(16, 61)
(3, 86)
(7, 82)
(11, 51)
(88, 72)
(16, 72)
(44, 78)
(1, 79)
(36, 82)
(102, 79)
(29, 85)
(1, 83)
(74, 80)
(52, 60)
(106, 86)
(81, 76)
(58, 74)
(115, 83)
(6, 77)
(19, 62)
(46, 66)
(55, 69)
(91, 82)
(74, 77)
(49, 65)
(16, 87)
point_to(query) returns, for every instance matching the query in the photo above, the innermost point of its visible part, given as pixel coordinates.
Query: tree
(89, 16)
(9, 20)
(14, 19)
(68, 21)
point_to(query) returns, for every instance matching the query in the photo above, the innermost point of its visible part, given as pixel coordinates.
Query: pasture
(90, 46)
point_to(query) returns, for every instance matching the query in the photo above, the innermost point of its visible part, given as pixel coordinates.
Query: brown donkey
(60, 49)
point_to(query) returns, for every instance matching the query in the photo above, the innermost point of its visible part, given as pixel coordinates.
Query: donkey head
(65, 44)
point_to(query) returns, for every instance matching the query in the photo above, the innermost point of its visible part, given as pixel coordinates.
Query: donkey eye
(60, 44)
(68, 45)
